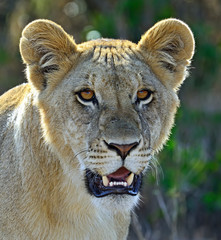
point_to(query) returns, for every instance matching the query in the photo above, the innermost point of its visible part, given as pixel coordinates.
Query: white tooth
(111, 184)
(125, 184)
(130, 179)
(105, 181)
(115, 183)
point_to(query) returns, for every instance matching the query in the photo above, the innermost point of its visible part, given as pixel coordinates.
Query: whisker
(80, 152)
(156, 169)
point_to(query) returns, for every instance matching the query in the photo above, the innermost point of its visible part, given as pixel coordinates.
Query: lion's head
(107, 105)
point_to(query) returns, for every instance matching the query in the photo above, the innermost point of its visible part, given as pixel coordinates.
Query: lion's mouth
(120, 182)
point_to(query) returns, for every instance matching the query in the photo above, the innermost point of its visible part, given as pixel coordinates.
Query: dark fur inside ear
(173, 47)
(46, 58)
(47, 70)
(48, 63)
(50, 69)
(168, 66)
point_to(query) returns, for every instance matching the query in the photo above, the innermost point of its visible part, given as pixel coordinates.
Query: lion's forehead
(112, 56)
(112, 53)
(113, 66)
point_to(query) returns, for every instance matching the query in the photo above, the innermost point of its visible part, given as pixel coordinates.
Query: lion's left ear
(168, 48)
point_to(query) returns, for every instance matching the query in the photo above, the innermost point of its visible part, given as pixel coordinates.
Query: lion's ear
(45, 48)
(168, 48)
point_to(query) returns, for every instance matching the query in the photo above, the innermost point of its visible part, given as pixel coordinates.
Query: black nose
(122, 149)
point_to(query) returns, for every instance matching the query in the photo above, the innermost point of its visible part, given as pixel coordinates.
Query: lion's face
(106, 110)
(112, 114)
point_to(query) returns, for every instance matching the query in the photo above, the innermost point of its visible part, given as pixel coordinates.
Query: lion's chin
(121, 181)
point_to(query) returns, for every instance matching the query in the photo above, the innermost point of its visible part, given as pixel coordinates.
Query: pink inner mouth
(120, 174)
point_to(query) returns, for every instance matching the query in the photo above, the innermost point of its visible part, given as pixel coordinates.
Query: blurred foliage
(186, 203)
(191, 178)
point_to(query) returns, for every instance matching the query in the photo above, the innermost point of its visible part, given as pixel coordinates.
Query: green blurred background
(183, 199)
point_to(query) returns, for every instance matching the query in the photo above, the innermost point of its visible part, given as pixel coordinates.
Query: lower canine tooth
(130, 179)
(105, 181)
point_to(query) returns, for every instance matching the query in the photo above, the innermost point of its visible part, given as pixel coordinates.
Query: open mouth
(120, 182)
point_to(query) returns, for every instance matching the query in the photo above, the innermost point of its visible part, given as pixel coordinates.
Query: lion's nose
(123, 149)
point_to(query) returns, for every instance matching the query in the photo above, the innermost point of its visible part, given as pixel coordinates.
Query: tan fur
(13, 98)
(49, 136)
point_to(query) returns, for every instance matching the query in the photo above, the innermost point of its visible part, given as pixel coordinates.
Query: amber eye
(143, 94)
(86, 95)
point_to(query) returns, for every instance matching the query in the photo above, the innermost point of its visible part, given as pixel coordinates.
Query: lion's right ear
(46, 48)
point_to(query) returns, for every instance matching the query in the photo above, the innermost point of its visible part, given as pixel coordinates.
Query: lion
(77, 138)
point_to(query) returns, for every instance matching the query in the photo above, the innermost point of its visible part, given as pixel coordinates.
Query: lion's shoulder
(12, 98)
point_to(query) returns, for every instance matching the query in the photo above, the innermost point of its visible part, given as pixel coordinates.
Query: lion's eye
(142, 94)
(86, 95)
(145, 96)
